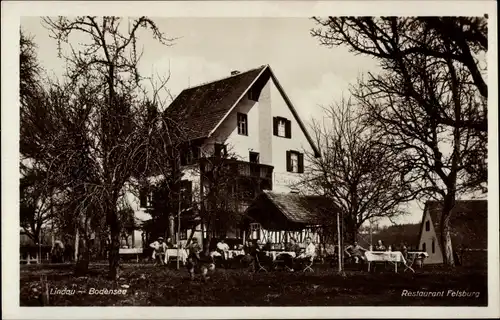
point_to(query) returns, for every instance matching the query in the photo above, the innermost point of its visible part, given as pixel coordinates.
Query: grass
(150, 285)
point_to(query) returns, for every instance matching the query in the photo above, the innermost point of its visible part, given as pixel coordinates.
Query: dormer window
(282, 127)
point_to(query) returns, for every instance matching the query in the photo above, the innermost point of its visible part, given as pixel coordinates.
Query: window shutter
(275, 126)
(288, 129)
(301, 162)
(288, 161)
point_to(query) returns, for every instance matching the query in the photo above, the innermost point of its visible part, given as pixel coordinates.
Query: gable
(468, 222)
(201, 110)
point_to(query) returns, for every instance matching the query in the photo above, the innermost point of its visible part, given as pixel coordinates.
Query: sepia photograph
(326, 160)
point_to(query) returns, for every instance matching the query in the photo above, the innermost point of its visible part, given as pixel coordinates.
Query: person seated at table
(170, 244)
(223, 249)
(308, 254)
(159, 250)
(356, 252)
(261, 254)
(380, 246)
(404, 250)
(286, 257)
(268, 245)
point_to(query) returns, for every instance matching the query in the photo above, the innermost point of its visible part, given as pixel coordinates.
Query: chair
(259, 265)
(409, 262)
(309, 265)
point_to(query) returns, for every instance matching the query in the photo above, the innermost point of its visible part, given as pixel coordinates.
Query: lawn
(148, 285)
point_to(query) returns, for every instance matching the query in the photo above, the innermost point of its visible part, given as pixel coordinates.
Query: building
(468, 231)
(249, 116)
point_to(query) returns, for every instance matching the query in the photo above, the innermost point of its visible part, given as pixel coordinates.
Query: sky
(206, 49)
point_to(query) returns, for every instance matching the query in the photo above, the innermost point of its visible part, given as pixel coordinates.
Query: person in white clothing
(223, 249)
(309, 253)
(160, 251)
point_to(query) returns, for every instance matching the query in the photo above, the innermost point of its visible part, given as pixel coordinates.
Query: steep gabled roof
(200, 110)
(468, 222)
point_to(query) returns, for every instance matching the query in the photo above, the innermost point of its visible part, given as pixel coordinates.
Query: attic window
(242, 124)
(253, 95)
(282, 127)
(427, 225)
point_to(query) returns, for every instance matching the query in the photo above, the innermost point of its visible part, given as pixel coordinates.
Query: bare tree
(430, 101)
(223, 189)
(354, 170)
(108, 141)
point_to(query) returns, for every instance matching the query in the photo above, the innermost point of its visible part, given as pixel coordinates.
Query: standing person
(160, 250)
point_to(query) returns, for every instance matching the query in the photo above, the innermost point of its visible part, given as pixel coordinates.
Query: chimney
(234, 72)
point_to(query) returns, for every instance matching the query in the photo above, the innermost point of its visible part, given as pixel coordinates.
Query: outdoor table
(234, 253)
(274, 254)
(136, 251)
(173, 253)
(394, 257)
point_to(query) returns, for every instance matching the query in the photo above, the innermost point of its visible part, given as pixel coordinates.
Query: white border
(11, 12)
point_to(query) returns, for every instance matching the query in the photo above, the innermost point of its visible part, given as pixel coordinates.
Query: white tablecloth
(389, 256)
(173, 253)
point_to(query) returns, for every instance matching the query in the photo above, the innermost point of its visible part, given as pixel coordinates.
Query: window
(145, 198)
(253, 94)
(282, 127)
(190, 156)
(220, 150)
(254, 157)
(254, 226)
(424, 249)
(433, 246)
(242, 124)
(183, 235)
(294, 162)
(427, 225)
(186, 193)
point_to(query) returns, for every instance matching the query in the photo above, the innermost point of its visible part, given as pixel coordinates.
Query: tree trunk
(77, 243)
(446, 247)
(171, 224)
(83, 256)
(114, 247)
(351, 230)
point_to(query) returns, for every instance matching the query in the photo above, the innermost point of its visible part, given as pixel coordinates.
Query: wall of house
(282, 179)
(427, 237)
(272, 149)
(240, 145)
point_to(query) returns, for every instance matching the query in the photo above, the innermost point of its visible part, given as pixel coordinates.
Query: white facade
(260, 139)
(428, 241)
